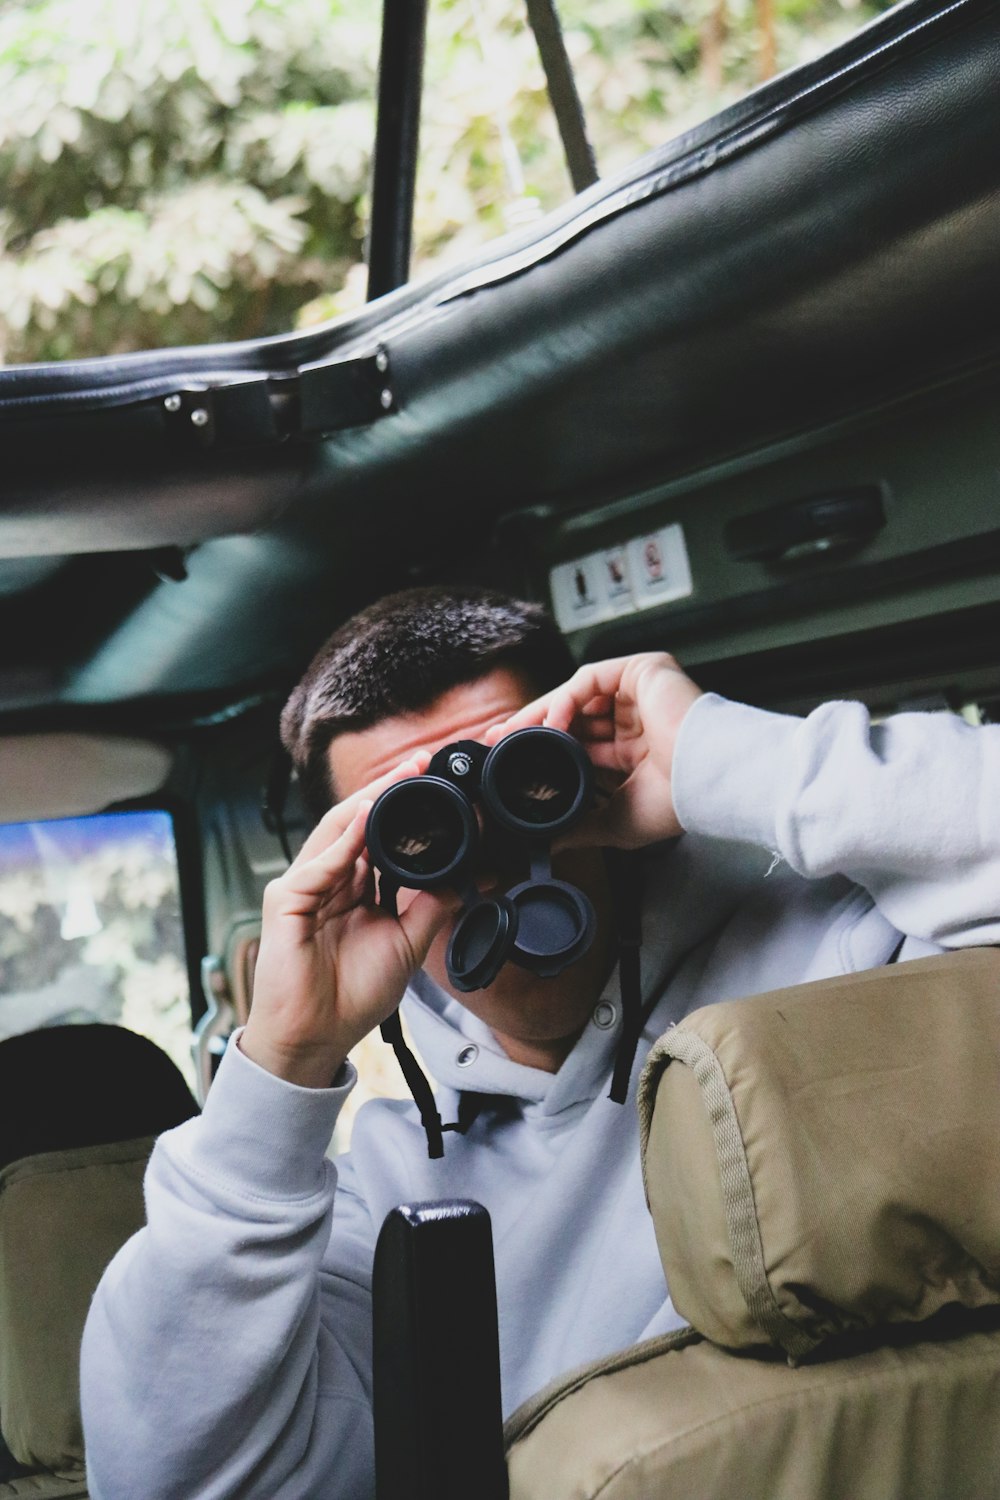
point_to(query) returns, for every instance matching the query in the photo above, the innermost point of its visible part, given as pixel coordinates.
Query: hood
(691, 887)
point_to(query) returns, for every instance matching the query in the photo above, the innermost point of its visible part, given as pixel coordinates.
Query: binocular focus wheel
(481, 943)
(555, 925)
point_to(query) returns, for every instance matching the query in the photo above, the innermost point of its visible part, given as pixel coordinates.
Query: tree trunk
(767, 64)
(713, 36)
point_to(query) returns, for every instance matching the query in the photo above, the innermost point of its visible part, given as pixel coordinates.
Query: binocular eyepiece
(429, 831)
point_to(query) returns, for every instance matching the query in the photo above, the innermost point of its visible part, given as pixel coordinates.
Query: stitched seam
(247, 1196)
(328, 1394)
(685, 169)
(84, 1166)
(26, 1170)
(664, 180)
(854, 914)
(668, 1343)
(854, 1378)
(737, 1192)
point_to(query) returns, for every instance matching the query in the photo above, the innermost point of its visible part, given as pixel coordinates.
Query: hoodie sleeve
(908, 808)
(228, 1348)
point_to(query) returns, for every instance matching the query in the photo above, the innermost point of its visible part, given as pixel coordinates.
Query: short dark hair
(400, 655)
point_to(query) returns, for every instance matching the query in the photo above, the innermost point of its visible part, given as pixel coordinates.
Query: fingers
(589, 694)
(592, 692)
(423, 919)
(337, 871)
(583, 706)
(605, 754)
(332, 825)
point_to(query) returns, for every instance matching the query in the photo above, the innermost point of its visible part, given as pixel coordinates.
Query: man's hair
(400, 655)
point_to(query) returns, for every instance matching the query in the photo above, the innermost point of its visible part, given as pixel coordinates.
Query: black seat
(69, 1086)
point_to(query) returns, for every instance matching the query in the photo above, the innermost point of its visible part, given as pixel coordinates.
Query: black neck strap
(625, 875)
(392, 1032)
(416, 1082)
(470, 1106)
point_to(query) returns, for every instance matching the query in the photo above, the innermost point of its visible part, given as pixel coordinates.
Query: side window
(90, 928)
(190, 171)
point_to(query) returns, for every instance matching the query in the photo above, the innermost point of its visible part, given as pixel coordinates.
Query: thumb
(424, 918)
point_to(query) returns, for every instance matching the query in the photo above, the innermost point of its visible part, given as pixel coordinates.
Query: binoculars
(478, 810)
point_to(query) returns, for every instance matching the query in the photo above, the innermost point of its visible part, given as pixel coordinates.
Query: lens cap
(555, 925)
(481, 943)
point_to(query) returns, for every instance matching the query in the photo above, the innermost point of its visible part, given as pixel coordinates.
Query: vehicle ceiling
(823, 251)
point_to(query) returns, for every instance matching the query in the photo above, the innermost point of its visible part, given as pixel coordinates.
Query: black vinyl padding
(824, 246)
(436, 1357)
(85, 1085)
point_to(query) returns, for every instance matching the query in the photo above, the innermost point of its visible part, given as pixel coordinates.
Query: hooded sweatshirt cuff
(729, 767)
(263, 1135)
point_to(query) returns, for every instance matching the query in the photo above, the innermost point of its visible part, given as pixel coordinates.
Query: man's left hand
(627, 712)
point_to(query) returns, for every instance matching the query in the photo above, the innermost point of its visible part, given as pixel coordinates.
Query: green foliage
(182, 171)
(177, 171)
(646, 70)
(125, 966)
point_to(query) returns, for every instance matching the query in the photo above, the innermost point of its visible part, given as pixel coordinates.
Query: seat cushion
(693, 1422)
(823, 1159)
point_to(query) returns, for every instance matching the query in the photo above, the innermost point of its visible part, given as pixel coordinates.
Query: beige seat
(64, 1212)
(823, 1169)
(63, 1215)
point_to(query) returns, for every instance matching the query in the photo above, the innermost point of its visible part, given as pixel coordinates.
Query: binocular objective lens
(422, 833)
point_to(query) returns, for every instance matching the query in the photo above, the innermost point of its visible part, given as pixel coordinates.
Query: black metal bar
(397, 132)
(580, 159)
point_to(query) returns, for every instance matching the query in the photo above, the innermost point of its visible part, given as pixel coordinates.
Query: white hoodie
(228, 1350)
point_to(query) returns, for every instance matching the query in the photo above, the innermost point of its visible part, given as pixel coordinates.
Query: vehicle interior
(738, 402)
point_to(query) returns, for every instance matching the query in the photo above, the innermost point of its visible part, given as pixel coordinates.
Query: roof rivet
(199, 417)
(172, 403)
(381, 361)
(386, 399)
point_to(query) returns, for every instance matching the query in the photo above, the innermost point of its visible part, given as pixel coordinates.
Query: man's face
(521, 1009)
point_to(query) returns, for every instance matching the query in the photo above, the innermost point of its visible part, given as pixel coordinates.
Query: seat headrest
(823, 1159)
(68, 1086)
(63, 1215)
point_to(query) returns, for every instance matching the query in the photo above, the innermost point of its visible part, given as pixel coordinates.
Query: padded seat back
(694, 1422)
(63, 1215)
(821, 1164)
(69, 1086)
(80, 1107)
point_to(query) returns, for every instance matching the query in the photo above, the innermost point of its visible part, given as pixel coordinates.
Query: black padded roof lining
(830, 239)
(768, 111)
(825, 246)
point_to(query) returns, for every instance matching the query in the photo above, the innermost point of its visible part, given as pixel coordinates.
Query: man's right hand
(332, 966)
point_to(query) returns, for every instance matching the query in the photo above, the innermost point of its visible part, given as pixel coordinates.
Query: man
(228, 1350)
